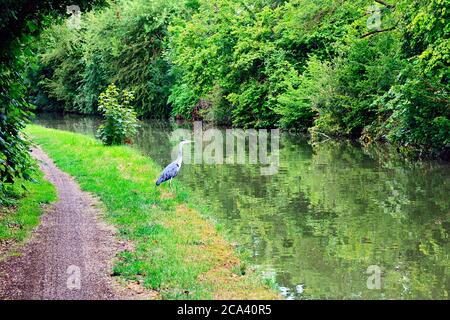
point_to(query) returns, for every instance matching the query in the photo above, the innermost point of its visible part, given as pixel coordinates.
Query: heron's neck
(180, 154)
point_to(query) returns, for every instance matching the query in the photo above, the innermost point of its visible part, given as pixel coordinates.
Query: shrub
(420, 114)
(218, 110)
(120, 123)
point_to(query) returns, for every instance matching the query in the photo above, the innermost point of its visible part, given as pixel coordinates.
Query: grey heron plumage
(172, 169)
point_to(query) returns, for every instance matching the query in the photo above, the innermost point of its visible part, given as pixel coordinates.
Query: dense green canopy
(371, 69)
(364, 68)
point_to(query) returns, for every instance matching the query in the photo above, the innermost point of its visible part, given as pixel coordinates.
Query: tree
(20, 21)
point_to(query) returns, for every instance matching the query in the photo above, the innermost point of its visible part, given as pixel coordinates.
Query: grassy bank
(22, 211)
(176, 251)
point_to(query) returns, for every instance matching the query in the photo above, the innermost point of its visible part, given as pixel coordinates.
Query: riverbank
(175, 250)
(22, 212)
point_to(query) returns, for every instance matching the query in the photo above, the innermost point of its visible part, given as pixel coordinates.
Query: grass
(176, 251)
(21, 213)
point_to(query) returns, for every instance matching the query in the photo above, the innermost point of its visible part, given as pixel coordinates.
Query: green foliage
(228, 49)
(124, 44)
(63, 67)
(369, 69)
(20, 22)
(15, 113)
(140, 63)
(316, 64)
(216, 108)
(255, 52)
(305, 94)
(120, 123)
(304, 64)
(419, 115)
(15, 162)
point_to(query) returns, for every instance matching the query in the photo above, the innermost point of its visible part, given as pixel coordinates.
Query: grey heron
(172, 169)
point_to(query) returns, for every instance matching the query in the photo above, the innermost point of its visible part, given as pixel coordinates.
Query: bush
(217, 109)
(305, 95)
(367, 69)
(419, 116)
(120, 123)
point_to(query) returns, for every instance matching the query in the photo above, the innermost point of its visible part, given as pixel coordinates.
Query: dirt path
(70, 241)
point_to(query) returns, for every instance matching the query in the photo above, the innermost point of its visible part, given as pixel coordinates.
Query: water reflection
(332, 211)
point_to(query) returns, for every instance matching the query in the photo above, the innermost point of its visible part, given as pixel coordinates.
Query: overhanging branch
(384, 3)
(379, 31)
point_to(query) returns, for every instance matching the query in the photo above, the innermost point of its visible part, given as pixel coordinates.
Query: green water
(332, 211)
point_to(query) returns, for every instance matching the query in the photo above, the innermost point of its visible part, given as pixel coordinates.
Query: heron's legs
(170, 184)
